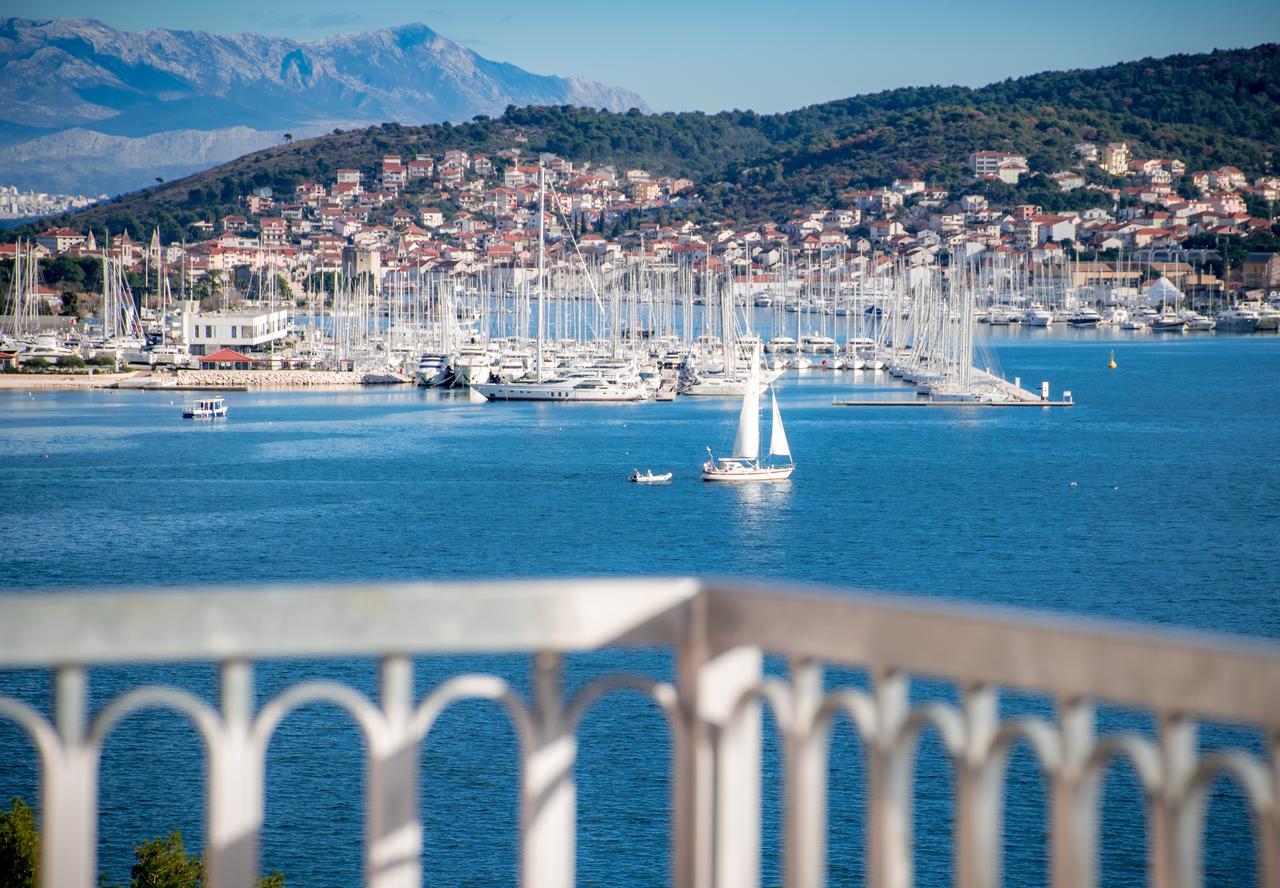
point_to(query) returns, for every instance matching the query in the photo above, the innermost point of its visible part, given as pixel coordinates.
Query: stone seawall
(284, 378)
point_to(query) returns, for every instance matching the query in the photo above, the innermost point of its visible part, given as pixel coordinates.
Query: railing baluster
(1074, 824)
(736, 837)
(69, 838)
(549, 809)
(1175, 827)
(978, 794)
(234, 815)
(806, 781)
(889, 833)
(692, 774)
(393, 833)
(1269, 829)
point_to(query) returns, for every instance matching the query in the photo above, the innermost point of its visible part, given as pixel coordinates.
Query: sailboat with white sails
(745, 463)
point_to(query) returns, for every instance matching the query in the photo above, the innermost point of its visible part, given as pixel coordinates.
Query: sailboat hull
(740, 472)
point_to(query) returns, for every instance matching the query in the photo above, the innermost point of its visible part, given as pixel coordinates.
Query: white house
(206, 332)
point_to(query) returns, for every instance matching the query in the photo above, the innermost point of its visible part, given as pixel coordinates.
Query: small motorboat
(638, 477)
(205, 408)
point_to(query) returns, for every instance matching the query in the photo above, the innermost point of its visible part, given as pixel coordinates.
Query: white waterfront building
(206, 332)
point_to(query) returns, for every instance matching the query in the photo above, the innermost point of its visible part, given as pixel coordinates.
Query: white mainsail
(746, 443)
(778, 445)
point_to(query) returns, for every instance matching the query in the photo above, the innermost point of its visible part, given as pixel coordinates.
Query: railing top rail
(1169, 670)
(358, 619)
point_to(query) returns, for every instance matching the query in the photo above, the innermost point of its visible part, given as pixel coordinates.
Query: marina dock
(927, 403)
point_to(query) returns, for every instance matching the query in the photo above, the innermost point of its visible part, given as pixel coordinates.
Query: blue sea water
(1156, 499)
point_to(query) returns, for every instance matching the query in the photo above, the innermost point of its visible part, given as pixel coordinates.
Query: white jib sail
(778, 445)
(746, 444)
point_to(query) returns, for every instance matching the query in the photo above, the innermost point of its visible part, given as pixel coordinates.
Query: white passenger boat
(637, 477)
(745, 463)
(205, 408)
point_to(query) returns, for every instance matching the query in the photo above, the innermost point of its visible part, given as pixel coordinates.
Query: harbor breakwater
(283, 378)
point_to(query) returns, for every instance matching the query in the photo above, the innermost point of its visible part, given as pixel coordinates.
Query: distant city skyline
(717, 56)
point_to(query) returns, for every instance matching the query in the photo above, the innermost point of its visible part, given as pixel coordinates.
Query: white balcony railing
(719, 633)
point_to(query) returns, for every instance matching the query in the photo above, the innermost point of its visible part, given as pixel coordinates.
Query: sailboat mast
(542, 293)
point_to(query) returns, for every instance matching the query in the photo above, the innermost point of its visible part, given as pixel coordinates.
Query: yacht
(1084, 317)
(44, 345)
(713, 384)
(1197, 322)
(819, 345)
(1168, 322)
(433, 370)
(473, 365)
(1268, 317)
(582, 385)
(1237, 320)
(1035, 316)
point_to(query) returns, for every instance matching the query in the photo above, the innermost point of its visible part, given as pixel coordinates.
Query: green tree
(19, 846)
(164, 863)
(65, 271)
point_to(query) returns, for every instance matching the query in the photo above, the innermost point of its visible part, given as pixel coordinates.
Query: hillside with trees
(1206, 109)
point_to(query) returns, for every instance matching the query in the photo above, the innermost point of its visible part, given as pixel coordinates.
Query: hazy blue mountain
(64, 82)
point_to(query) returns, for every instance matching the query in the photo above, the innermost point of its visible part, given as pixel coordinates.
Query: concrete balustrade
(719, 634)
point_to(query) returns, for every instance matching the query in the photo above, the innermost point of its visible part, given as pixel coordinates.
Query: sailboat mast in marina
(745, 463)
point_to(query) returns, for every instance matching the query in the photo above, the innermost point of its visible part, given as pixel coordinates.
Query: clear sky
(767, 56)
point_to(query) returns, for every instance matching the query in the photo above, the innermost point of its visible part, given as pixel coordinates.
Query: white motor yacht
(1035, 316)
(1084, 317)
(1237, 320)
(1268, 317)
(578, 386)
(1197, 322)
(819, 345)
(1168, 322)
(472, 366)
(433, 370)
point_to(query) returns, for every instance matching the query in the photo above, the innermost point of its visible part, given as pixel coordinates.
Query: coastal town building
(1262, 271)
(250, 329)
(1115, 158)
(1002, 165)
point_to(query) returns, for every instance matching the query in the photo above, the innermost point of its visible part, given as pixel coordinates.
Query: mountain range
(88, 109)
